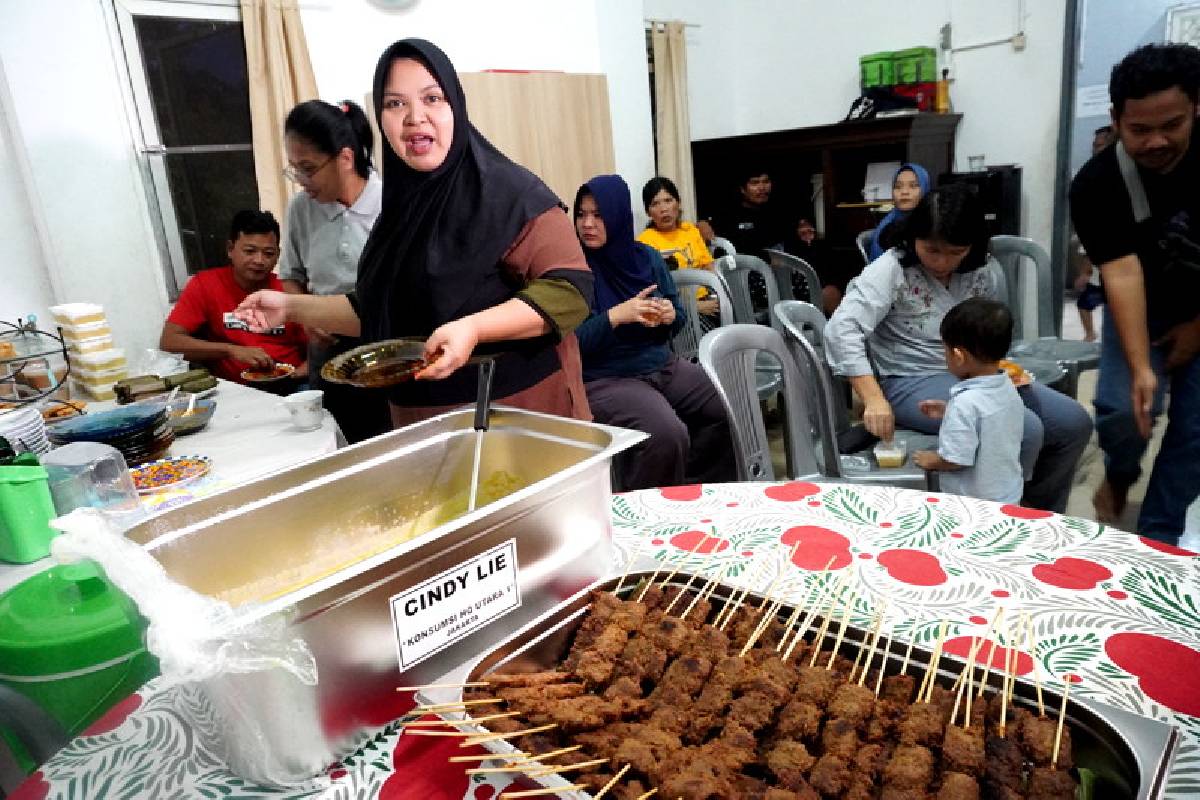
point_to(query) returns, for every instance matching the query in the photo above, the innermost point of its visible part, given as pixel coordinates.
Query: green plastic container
(26, 509)
(915, 65)
(877, 70)
(72, 643)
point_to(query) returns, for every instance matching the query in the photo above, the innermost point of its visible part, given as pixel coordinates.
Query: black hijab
(434, 253)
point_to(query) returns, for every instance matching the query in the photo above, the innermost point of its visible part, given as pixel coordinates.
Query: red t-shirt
(205, 309)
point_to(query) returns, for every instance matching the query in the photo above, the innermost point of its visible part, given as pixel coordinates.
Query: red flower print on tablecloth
(699, 541)
(1163, 547)
(1072, 573)
(423, 771)
(683, 494)
(817, 546)
(33, 788)
(961, 646)
(1166, 670)
(1021, 512)
(792, 491)
(914, 567)
(116, 715)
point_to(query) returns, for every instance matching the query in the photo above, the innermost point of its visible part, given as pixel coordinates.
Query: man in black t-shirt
(1136, 208)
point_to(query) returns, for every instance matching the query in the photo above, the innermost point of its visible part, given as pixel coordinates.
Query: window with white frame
(186, 64)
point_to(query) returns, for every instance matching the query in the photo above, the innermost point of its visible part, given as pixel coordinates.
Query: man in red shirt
(201, 327)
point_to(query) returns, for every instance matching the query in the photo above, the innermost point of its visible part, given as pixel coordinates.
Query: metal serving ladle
(483, 402)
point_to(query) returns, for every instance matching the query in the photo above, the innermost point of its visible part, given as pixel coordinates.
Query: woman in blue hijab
(632, 378)
(909, 185)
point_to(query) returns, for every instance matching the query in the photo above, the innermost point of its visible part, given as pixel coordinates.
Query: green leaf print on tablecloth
(846, 504)
(1163, 596)
(1062, 654)
(1000, 538)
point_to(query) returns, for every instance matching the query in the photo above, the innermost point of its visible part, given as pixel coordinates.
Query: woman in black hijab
(470, 249)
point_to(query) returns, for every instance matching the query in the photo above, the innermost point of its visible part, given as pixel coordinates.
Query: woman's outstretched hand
(641, 308)
(263, 311)
(448, 348)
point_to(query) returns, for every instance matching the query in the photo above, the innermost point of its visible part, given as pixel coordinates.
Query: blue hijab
(895, 215)
(623, 266)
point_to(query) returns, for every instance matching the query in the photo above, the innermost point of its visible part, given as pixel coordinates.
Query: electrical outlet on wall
(1018, 42)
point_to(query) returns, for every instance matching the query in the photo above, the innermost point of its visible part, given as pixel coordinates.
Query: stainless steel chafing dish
(1137, 749)
(327, 543)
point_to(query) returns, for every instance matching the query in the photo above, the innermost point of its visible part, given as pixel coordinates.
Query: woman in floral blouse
(884, 338)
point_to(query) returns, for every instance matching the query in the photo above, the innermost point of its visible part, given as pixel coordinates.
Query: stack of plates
(25, 429)
(141, 433)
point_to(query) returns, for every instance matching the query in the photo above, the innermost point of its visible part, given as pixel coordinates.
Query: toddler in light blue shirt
(979, 442)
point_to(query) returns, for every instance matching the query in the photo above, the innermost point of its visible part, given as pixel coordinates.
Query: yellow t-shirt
(686, 239)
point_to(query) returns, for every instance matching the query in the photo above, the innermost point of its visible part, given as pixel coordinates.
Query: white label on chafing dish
(440, 611)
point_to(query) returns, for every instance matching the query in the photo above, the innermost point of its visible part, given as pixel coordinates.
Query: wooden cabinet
(839, 153)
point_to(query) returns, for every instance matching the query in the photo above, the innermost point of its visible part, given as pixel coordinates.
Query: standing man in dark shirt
(1136, 207)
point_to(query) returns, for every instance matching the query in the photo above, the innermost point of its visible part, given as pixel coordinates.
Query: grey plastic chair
(729, 356)
(736, 271)
(800, 323)
(863, 240)
(1044, 342)
(722, 244)
(686, 343)
(784, 265)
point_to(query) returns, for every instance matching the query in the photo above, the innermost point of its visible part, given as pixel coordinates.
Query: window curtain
(280, 76)
(672, 127)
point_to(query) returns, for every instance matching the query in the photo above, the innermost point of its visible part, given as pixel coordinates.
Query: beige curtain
(280, 76)
(671, 109)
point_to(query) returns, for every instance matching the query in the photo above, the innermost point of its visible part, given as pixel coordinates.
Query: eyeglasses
(297, 175)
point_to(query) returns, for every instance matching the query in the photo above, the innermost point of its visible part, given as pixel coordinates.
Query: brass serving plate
(375, 365)
(1137, 749)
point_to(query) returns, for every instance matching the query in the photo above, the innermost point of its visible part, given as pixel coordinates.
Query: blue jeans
(1175, 478)
(1057, 430)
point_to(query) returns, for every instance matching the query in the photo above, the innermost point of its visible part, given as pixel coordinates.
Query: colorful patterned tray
(169, 473)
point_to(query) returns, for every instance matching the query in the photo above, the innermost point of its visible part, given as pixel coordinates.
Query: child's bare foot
(1110, 503)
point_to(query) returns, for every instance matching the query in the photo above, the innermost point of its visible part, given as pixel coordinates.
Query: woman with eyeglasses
(470, 251)
(328, 149)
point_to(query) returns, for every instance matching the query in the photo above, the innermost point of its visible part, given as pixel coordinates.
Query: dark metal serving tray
(1137, 749)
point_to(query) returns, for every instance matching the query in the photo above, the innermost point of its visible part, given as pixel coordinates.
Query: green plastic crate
(915, 65)
(877, 70)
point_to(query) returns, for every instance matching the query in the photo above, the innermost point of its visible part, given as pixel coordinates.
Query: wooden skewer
(925, 693)
(996, 615)
(604, 789)
(874, 643)
(658, 565)
(650, 793)
(426, 723)
(707, 591)
(870, 651)
(1032, 645)
(837, 643)
(704, 566)
(542, 792)
(433, 709)
(513, 767)
(1062, 715)
(695, 549)
(986, 666)
(907, 656)
(526, 759)
(1010, 670)
(629, 565)
(826, 619)
(959, 684)
(732, 607)
(482, 757)
(761, 628)
(469, 684)
(555, 770)
(789, 629)
(427, 732)
(492, 737)
(887, 649)
(778, 578)
(829, 591)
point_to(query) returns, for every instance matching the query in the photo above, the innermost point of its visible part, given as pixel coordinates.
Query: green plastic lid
(64, 619)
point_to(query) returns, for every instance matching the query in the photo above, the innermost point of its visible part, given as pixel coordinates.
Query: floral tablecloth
(1114, 613)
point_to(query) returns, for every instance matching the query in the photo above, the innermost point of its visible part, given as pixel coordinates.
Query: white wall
(764, 65)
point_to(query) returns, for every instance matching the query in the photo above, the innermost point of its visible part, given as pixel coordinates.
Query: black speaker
(1000, 191)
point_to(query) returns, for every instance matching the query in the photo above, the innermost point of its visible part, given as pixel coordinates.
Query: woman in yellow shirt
(670, 235)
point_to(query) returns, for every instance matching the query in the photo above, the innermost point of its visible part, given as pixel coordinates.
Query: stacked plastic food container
(95, 363)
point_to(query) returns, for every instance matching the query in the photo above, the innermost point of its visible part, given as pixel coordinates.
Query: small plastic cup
(890, 455)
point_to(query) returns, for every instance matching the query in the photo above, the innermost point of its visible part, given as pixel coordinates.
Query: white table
(249, 435)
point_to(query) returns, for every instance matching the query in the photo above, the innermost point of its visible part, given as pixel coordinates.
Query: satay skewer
(837, 643)
(523, 766)
(736, 599)
(541, 772)
(604, 789)
(679, 565)
(525, 758)
(925, 692)
(647, 795)
(706, 591)
(765, 619)
(876, 630)
(1010, 677)
(427, 723)
(1032, 645)
(830, 590)
(887, 649)
(771, 588)
(826, 619)
(996, 616)
(966, 687)
(493, 737)
(907, 655)
(986, 666)
(790, 628)
(658, 565)
(574, 787)
(629, 565)
(459, 706)
(1062, 715)
(687, 586)
(468, 685)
